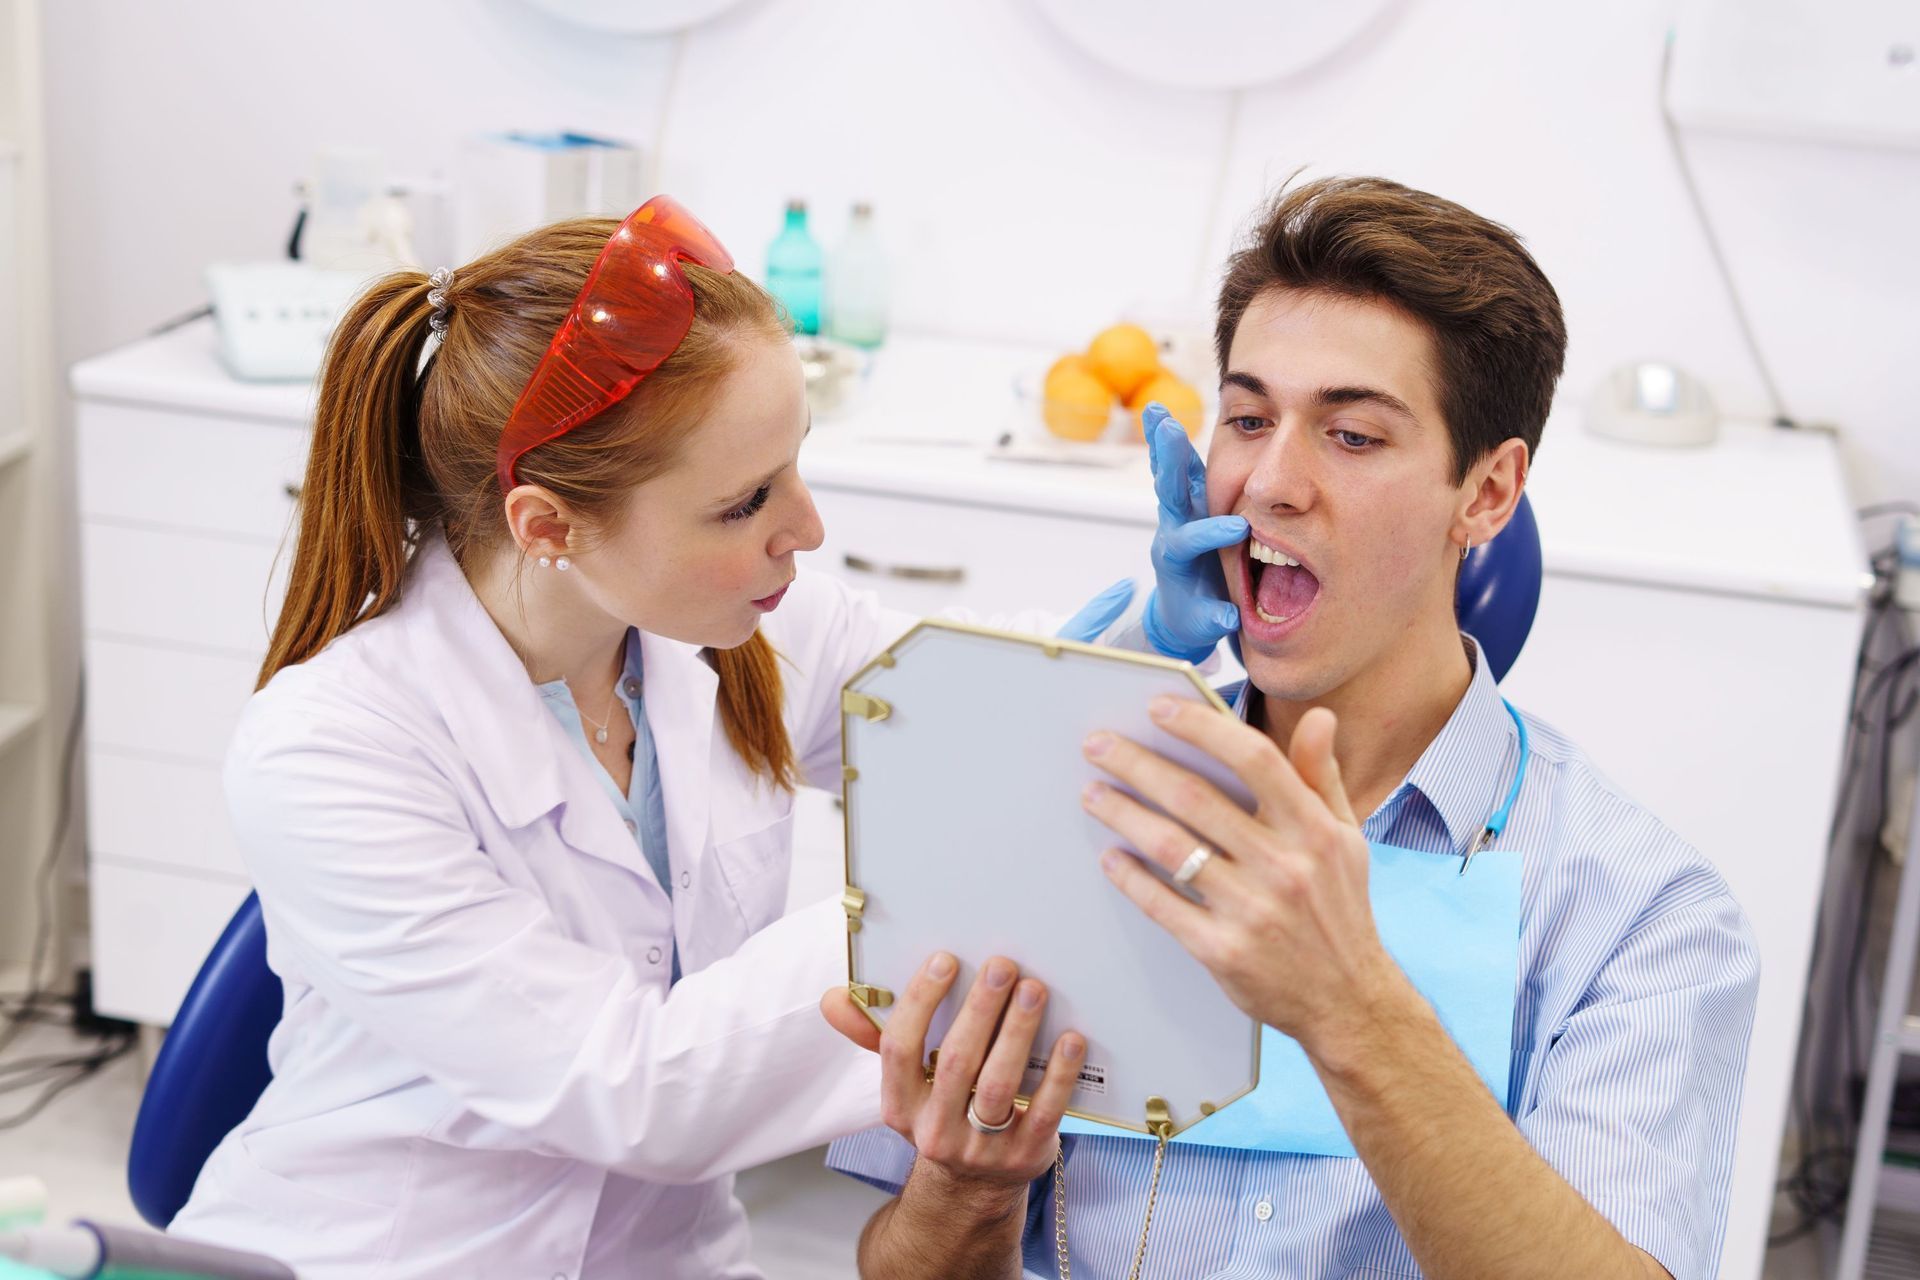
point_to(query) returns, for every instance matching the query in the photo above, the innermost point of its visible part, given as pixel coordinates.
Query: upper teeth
(1267, 555)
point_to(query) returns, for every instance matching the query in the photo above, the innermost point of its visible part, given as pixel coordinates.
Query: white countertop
(1763, 512)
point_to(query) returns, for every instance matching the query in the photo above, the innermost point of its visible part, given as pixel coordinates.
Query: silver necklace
(600, 725)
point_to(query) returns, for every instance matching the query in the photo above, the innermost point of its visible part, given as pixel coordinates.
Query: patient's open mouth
(1280, 590)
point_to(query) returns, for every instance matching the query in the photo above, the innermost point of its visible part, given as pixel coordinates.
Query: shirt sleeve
(878, 1157)
(1639, 1092)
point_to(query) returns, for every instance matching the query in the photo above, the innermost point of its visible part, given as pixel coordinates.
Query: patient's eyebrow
(1325, 397)
(1246, 382)
(1335, 396)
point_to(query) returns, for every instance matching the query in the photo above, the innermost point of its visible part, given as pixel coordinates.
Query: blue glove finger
(1197, 482)
(1226, 618)
(1198, 537)
(1170, 461)
(1175, 443)
(1098, 613)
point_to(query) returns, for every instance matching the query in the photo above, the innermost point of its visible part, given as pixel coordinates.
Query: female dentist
(516, 791)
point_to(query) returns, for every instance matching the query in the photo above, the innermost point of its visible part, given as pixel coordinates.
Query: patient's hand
(974, 1063)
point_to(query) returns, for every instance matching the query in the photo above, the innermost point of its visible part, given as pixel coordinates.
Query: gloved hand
(1188, 613)
(1099, 613)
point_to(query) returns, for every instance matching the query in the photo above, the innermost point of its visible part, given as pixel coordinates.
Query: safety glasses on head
(634, 309)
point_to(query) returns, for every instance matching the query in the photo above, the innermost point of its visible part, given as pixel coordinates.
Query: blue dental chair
(213, 1065)
(210, 1071)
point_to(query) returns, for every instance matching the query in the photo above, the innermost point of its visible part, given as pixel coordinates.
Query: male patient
(1388, 359)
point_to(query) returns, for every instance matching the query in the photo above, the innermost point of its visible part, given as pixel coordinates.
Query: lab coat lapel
(519, 753)
(681, 701)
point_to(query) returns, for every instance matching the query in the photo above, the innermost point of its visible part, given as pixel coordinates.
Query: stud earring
(544, 561)
(563, 564)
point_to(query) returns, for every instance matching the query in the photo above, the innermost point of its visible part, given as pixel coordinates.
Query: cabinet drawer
(163, 812)
(188, 471)
(922, 555)
(165, 701)
(182, 588)
(152, 929)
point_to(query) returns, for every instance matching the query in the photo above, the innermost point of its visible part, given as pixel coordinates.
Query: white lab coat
(481, 1071)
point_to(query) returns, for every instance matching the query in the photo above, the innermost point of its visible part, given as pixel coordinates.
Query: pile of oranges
(1121, 367)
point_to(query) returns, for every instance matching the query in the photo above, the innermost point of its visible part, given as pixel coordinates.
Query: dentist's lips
(767, 604)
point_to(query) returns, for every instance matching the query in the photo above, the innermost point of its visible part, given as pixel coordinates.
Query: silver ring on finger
(973, 1118)
(1199, 858)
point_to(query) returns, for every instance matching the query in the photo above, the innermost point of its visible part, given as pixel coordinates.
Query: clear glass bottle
(857, 283)
(794, 263)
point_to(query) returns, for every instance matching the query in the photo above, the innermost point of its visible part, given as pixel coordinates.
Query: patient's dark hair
(1499, 338)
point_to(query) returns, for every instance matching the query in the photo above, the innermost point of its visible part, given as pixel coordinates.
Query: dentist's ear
(537, 522)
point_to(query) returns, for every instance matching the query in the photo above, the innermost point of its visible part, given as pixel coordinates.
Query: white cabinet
(1695, 642)
(183, 512)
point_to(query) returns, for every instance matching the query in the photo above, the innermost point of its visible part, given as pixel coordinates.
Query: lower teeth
(1265, 616)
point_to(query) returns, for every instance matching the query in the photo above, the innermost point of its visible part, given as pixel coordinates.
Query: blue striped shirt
(1634, 1006)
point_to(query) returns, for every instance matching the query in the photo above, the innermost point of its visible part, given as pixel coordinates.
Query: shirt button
(1263, 1210)
(653, 955)
(632, 687)
(686, 879)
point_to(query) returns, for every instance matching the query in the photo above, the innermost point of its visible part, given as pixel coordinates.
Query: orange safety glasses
(634, 309)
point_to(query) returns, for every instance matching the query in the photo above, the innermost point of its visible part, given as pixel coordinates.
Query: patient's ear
(844, 1016)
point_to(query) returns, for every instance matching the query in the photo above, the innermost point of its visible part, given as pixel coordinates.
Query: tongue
(1286, 590)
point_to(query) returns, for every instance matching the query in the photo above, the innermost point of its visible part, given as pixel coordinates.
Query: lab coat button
(632, 687)
(653, 955)
(686, 879)
(1263, 1210)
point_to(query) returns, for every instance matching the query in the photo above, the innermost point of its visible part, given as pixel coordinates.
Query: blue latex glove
(1188, 613)
(1098, 614)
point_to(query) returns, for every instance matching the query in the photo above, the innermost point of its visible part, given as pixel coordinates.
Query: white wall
(1025, 190)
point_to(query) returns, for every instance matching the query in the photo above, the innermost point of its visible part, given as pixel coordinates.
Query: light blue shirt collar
(1479, 728)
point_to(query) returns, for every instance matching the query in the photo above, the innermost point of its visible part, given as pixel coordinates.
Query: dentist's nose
(800, 529)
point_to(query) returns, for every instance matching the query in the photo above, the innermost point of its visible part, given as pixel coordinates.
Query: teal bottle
(794, 263)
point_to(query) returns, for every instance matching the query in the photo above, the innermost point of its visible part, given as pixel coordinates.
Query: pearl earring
(563, 564)
(544, 561)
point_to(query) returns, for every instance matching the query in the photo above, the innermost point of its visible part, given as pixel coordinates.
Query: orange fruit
(1182, 401)
(1125, 356)
(1075, 403)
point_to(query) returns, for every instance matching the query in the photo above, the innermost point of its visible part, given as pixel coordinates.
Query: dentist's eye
(750, 506)
(1247, 425)
(1355, 441)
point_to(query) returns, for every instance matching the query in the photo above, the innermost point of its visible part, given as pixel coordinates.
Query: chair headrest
(1499, 589)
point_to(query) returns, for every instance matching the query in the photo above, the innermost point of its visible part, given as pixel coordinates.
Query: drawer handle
(911, 572)
(291, 490)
